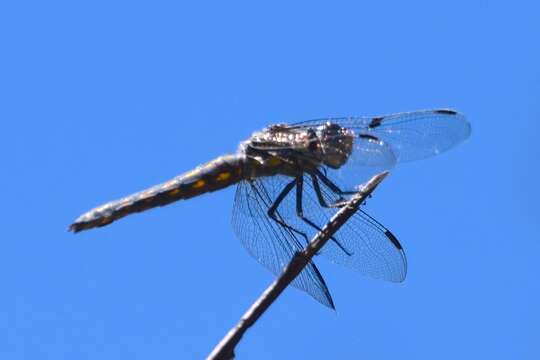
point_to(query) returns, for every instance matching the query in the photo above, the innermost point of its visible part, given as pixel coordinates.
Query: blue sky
(100, 99)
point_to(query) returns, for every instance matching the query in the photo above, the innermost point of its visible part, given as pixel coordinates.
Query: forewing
(412, 135)
(268, 242)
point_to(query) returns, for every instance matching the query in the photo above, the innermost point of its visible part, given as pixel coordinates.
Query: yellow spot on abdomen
(198, 184)
(174, 192)
(223, 176)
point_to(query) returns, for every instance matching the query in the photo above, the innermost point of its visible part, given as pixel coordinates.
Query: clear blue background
(99, 99)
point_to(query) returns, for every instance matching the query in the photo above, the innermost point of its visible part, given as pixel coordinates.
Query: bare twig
(225, 349)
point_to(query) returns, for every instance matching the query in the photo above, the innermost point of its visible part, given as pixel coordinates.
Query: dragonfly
(290, 180)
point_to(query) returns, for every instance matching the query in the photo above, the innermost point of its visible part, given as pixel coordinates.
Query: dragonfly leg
(273, 210)
(332, 186)
(339, 203)
(300, 212)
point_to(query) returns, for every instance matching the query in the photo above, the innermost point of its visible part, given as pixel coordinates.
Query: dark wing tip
(393, 239)
(445, 112)
(398, 246)
(466, 126)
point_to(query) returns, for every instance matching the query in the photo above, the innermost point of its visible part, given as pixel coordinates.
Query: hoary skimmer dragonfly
(323, 161)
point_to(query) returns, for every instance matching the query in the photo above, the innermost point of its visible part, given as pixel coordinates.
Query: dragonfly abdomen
(214, 175)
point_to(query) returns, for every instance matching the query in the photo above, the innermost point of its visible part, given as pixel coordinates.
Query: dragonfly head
(336, 144)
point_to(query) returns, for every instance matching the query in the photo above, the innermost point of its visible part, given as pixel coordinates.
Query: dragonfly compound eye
(336, 144)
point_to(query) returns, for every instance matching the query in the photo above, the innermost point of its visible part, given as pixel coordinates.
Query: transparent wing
(268, 242)
(370, 156)
(412, 135)
(362, 243)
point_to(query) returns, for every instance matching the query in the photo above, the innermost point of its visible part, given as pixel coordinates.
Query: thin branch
(225, 349)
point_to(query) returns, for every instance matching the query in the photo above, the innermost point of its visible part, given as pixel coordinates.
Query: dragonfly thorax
(292, 150)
